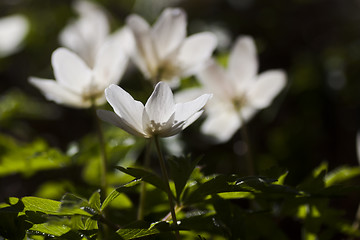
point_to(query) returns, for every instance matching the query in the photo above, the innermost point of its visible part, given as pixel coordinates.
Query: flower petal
(214, 79)
(114, 119)
(183, 111)
(111, 61)
(70, 70)
(12, 31)
(188, 94)
(243, 63)
(265, 88)
(221, 125)
(144, 55)
(192, 119)
(169, 31)
(55, 92)
(195, 50)
(160, 105)
(85, 35)
(125, 106)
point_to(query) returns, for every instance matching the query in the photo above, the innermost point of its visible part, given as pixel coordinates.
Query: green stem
(103, 158)
(140, 215)
(246, 139)
(166, 181)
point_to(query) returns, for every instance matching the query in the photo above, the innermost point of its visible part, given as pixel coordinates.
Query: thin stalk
(140, 215)
(356, 222)
(166, 181)
(246, 139)
(103, 158)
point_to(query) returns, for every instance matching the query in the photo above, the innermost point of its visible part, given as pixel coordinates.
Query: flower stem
(166, 181)
(246, 139)
(103, 158)
(140, 215)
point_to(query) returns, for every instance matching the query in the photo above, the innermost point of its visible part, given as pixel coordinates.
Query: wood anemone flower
(77, 85)
(239, 91)
(163, 52)
(159, 117)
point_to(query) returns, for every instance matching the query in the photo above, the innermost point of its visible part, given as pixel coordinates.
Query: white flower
(86, 35)
(163, 52)
(12, 31)
(238, 91)
(95, 61)
(159, 117)
(78, 85)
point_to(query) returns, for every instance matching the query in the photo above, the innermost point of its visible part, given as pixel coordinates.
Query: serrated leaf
(180, 171)
(145, 175)
(114, 194)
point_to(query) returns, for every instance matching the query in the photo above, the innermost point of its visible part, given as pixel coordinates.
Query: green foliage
(27, 159)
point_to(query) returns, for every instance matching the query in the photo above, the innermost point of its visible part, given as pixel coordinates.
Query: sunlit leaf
(94, 201)
(145, 175)
(341, 174)
(49, 229)
(48, 206)
(114, 194)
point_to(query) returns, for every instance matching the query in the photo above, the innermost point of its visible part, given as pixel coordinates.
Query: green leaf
(94, 201)
(114, 194)
(137, 230)
(145, 175)
(127, 234)
(341, 174)
(17, 157)
(233, 183)
(71, 203)
(49, 229)
(180, 171)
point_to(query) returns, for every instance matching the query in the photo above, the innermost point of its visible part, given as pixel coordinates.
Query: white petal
(222, 125)
(12, 31)
(265, 88)
(169, 31)
(114, 119)
(125, 106)
(188, 94)
(243, 63)
(111, 63)
(144, 55)
(183, 111)
(214, 79)
(126, 39)
(55, 92)
(160, 105)
(195, 50)
(86, 34)
(192, 119)
(70, 70)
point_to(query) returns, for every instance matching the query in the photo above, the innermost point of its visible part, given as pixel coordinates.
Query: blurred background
(314, 119)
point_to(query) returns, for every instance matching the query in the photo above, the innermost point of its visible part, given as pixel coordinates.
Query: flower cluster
(93, 60)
